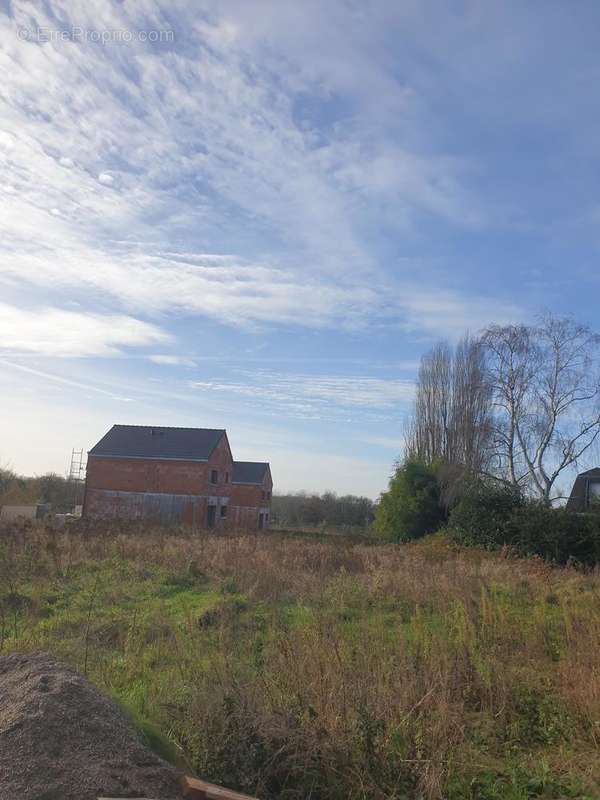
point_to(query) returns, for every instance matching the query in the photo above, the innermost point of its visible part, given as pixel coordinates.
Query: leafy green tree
(411, 507)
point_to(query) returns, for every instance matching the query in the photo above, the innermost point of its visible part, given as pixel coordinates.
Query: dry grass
(296, 668)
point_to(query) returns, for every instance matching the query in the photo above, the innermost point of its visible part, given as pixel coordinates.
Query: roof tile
(144, 441)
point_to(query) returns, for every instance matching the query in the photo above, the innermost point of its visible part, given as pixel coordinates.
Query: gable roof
(579, 497)
(249, 472)
(590, 473)
(145, 441)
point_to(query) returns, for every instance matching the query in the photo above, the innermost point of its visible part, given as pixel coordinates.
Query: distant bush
(411, 506)
(61, 493)
(328, 510)
(492, 515)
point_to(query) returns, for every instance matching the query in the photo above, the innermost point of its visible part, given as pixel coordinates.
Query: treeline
(61, 493)
(301, 509)
(498, 420)
(520, 403)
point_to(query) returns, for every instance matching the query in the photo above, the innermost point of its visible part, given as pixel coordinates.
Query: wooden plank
(195, 789)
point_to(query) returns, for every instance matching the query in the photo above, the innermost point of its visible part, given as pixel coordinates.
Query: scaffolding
(77, 470)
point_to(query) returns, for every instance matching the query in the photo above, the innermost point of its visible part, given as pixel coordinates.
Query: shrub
(491, 515)
(411, 506)
(557, 534)
(484, 513)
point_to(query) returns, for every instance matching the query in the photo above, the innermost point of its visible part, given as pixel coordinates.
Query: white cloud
(7, 142)
(55, 332)
(219, 147)
(230, 291)
(241, 294)
(171, 360)
(217, 141)
(310, 392)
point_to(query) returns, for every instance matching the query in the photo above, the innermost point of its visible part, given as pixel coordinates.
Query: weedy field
(296, 668)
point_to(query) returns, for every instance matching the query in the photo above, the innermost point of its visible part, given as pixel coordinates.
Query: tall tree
(452, 412)
(545, 382)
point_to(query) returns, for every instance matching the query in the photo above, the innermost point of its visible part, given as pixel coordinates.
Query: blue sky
(262, 220)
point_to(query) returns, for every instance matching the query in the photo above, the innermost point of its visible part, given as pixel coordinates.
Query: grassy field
(293, 667)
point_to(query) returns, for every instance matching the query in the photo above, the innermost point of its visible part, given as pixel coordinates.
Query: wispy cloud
(55, 332)
(449, 314)
(241, 294)
(147, 145)
(49, 376)
(235, 293)
(302, 392)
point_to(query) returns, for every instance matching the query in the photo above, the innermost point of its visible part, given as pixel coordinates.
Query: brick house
(251, 489)
(175, 475)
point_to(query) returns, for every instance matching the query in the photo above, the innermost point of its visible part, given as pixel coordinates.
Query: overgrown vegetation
(292, 668)
(485, 512)
(493, 515)
(412, 505)
(61, 493)
(321, 510)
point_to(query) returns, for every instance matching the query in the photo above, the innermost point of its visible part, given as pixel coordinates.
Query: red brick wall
(140, 475)
(248, 501)
(136, 488)
(242, 518)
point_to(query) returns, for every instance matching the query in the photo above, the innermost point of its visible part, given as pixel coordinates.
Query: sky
(259, 214)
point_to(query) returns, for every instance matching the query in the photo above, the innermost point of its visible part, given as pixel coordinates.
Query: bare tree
(451, 419)
(545, 383)
(471, 407)
(430, 435)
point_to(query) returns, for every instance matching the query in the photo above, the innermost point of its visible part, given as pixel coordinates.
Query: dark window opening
(261, 521)
(226, 477)
(223, 512)
(263, 494)
(214, 476)
(210, 516)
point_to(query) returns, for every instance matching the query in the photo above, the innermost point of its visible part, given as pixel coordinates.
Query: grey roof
(579, 498)
(590, 473)
(144, 441)
(249, 472)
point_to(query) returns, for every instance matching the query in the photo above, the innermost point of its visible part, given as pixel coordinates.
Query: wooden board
(195, 789)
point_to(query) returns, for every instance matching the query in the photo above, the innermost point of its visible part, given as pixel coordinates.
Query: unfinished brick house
(175, 475)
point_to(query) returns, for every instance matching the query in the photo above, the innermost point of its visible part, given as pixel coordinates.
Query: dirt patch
(62, 739)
